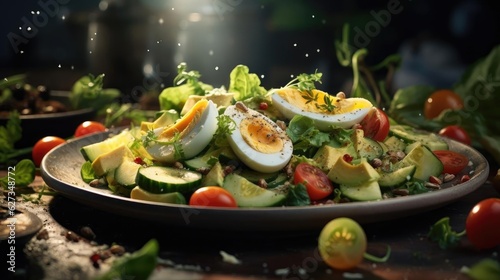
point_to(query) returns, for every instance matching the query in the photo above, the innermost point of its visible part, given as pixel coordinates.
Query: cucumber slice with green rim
(369, 190)
(247, 194)
(174, 197)
(396, 177)
(126, 173)
(92, 151)
(427, 164)
(410, 135)
(254, 176)
(279, 181)
(162, 179)
(394, 143)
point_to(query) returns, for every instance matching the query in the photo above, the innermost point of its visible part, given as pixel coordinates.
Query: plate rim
(259, 219)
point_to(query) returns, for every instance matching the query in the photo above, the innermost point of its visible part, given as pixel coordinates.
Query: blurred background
(138, 44)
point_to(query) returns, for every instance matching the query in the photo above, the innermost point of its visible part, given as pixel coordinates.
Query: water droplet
(216, 68)
(317, 50)
(72, 67)
(37, 12)
(147, 50)
(63, 17)
(90, 52)
(211, 52)
(21, 52)
(59, 66)
(158, 41)
(29, 28)
(307, 55)
(179, 44)
(262, 76)
(313, 16)
(295, 44)
(291, 76)
(32, 12)
(160, 21)
(173, 9)
(91, 38)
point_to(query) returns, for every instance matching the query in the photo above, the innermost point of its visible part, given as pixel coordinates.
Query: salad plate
(60, 169)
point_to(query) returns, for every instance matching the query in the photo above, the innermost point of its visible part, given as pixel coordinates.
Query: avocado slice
(345, 173)
(326, 156)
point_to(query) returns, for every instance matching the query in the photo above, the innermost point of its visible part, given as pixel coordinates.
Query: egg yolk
(261, 135)
(187, 121)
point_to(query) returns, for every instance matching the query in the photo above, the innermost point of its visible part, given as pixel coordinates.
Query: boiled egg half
(194, 130)
(340, 112)
(258, 141)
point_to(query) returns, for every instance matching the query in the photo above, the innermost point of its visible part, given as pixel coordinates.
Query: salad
(248, 146)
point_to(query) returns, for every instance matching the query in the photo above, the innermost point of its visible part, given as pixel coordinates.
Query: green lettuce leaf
(244, 84)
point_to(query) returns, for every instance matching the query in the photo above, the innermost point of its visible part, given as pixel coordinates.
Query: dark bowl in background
(37, 126)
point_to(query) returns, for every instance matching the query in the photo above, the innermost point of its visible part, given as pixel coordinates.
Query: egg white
(193, 142)
(323, 122)
(259, 161)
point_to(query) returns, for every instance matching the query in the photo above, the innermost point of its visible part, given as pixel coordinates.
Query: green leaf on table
(442, 233)
(486, 269)
(138, 265)
(24, 174)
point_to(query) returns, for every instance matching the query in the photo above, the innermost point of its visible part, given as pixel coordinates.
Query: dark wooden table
(195, 254)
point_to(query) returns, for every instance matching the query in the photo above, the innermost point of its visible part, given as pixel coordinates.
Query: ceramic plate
(61, 171)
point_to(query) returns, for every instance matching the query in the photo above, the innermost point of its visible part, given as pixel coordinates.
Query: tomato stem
(373, 258)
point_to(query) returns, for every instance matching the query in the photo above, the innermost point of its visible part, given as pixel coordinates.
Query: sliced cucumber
(369, 190)
(255, 176)
(92, 151)
(125, 173)
(410, 135)
(174, 197)
(161, 179)
(427, 164)
(396, 177)
(279, 181)
(394, 143)
(247, 194)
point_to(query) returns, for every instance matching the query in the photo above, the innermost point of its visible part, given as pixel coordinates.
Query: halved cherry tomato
(457, 133)
(483, 224)
(317, 183)
(212, 196)
(453, 162)
(375, 125)
(89, 127)
(342, 243)
(43, 146)
(441, 100)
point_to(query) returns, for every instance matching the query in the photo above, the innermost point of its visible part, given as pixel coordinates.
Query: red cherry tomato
(441, 100)
(457, 133)
(89, 127)
(43, 146)
(375, 125)
(483, 224)
(453, 162)
(212, 196)
(317, 183)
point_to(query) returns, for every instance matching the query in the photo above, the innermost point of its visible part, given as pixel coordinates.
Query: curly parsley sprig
(305, 82)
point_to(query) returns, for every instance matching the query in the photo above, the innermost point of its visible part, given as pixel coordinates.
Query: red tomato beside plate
(89, 127)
